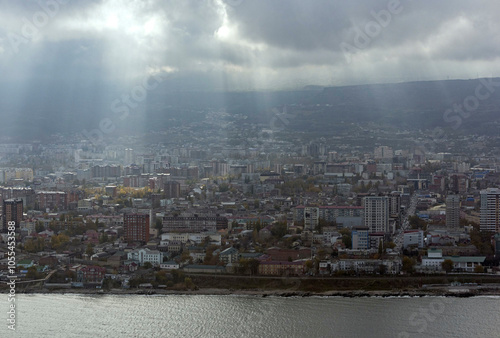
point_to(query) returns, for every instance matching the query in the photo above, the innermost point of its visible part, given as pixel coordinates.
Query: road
(398, 239)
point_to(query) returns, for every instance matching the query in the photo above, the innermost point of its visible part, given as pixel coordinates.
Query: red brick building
(278, 254)
(136, 227)
(91, 274)
(274, 268)
(12, 211)
(52, 200)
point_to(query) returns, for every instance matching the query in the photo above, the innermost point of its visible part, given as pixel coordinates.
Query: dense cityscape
(249, 168)
(123, 213)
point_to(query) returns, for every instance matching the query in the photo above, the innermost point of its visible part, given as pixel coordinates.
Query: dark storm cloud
(252, 43)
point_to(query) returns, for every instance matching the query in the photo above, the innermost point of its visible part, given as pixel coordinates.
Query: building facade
(194, 224)
(376, 216)
(311, 218)
(136, 227)
(12, 211)
(453, 211)
(145, 255)
(360, 238)
(490, 210)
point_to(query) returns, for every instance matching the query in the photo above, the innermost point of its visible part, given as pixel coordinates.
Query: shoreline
(443, 292)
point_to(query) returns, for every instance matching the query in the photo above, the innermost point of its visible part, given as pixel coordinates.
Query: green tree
(158, 224)
(29, 246)
(408, 264)
(161, 277)
(346, 237)
(309, 265)
(253, 264)
(390, 245)
(185, 256)
(224, 187)
(256, 204)
(447, 265)
(90, 250)
(59, 242)
(209, 256)
(189, 283)
(279, 230)
(104, 238)
(32, 273)
(478, 269)
(417, 223)
(39, 227)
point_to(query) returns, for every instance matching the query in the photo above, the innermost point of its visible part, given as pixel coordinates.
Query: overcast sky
(248, 44)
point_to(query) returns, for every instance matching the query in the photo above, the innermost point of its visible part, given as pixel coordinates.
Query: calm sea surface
(54, 315)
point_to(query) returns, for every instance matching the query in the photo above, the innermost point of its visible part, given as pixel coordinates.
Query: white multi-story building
(392, 266)
(146, 255)
(360, 238)
(413, 237)
(490, 210)
(376, 213)
(383, 152)
(434, 260)
(170, 265)
(197, 238)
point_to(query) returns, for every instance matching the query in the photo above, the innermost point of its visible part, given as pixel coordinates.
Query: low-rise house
(91, 274)
(192, 268)
(265, 233)
(92, 236)
(360, 265)
(25, 263)
(130, 266)
(48, 260)
(325, 267)
(115, 260)
(198, 237)
(197, 253)
(433, 261)
(170, 246)
(230, 255)
(146, 255)
(250, 255)
(278, 254)
(170, 265)
(465, 263)
(413, 237)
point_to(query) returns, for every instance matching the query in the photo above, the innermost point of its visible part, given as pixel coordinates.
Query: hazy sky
(247, 44)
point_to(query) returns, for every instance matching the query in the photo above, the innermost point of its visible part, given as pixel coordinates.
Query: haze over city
(273, 150)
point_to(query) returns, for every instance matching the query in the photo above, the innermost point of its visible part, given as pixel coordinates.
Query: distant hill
(412, 105)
